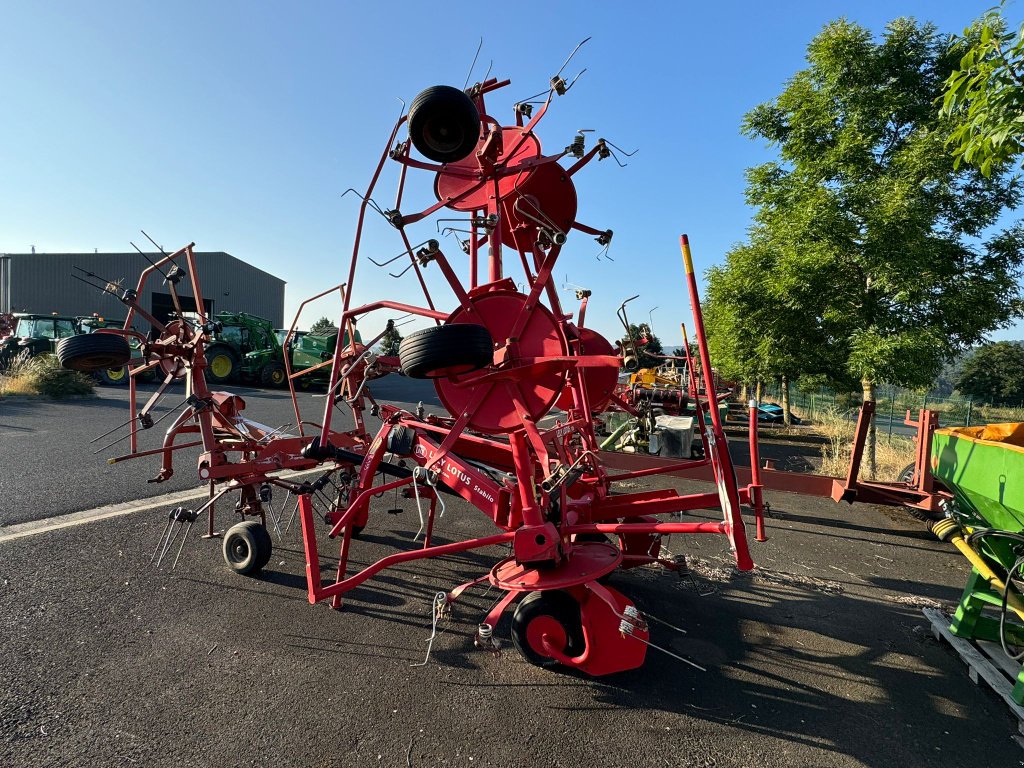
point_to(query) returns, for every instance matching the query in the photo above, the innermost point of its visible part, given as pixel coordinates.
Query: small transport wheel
(221, 363)
(93, 352)
(247, 547)
(445, 350)
(273, 375)
(114, 377)
(554, 613)
(444, 124)
(907, 474)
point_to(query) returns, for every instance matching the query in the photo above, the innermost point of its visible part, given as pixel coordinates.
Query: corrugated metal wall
(43, 283)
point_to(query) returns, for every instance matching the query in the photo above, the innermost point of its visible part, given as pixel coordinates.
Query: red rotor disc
(600, 381)
(541, 337)
(546, 198)
(481, 191)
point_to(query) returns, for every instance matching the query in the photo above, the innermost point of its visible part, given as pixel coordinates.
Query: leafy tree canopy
(323, 326)
(986, 94)
(995, 374)
(872, 234)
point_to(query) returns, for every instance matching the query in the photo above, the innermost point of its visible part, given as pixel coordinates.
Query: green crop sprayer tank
(983, 467)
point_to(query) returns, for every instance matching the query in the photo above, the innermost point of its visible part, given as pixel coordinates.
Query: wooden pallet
(985, 661)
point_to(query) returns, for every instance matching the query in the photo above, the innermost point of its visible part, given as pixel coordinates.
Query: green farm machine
(248, 347)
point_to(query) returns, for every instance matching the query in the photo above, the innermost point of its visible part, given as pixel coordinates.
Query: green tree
(986, 94)
(757, 323)
(323, 326)
(875, 228)
(995, 374)
(390, 341)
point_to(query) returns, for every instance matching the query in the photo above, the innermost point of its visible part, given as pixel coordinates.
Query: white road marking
(35, 527)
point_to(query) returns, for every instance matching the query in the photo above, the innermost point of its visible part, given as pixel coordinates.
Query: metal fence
(893, 404)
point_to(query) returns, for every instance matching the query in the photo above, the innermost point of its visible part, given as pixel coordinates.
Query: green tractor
(240, 334)
(35, 335)
(307, 350)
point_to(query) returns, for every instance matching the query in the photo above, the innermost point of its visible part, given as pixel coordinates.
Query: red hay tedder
(501, 359)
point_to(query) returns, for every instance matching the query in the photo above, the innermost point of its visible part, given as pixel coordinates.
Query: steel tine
(291, 518)
(172, 534)
(160, 540)
(184, 538)
(273, 517)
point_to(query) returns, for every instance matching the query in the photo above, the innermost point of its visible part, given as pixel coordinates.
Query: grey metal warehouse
(42, 283)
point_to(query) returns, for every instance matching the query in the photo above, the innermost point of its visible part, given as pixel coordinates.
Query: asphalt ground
(48, 466)
(822, 658)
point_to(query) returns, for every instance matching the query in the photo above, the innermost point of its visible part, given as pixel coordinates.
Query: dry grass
(35, 376)
(892, 455)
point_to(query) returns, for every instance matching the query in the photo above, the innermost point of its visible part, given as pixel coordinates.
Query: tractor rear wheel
(114, 377)
(93, 352)
(273, 375)
(554, 614)
(221, 363)
(247, 547)
(445, 350)
(907, 474)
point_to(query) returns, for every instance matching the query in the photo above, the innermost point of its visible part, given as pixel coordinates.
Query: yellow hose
(947, 530)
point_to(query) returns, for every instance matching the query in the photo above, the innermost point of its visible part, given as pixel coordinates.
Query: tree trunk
(868, 462)
(757, 391)
(743, 393)
(785, 402)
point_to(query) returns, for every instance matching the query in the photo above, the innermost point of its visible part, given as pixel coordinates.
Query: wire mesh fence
(893, 404)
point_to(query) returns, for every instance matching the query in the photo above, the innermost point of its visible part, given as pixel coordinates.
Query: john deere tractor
(240, 334)
(306, 351)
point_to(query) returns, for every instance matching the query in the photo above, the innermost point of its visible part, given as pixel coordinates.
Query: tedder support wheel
(907, 475)
(445, 350)
(444, 124)
(554, 613)
(221, 363)
(93, 352)
(247, 547)
(273, 375)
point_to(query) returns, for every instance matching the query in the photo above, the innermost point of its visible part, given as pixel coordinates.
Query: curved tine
(404, 252)
(385, 263)
(573, 82)
(473, 65)
(411, 265)
(368, 200)
(580, 45)
(620, 149)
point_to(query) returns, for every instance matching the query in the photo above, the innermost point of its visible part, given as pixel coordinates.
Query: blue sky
(239, 124)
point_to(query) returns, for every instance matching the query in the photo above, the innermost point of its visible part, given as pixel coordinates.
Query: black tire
(247, 547)
(113, 377)
(907, 474)
(558, 605)
(273, 375)
(93, 352)
(221, 363)
(445, 350)
(444, 124)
